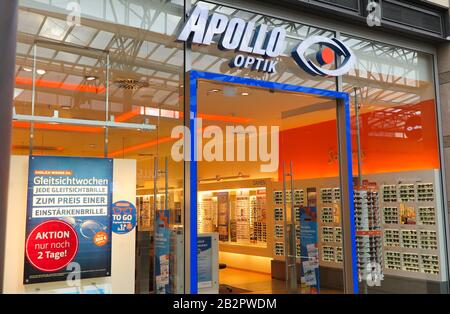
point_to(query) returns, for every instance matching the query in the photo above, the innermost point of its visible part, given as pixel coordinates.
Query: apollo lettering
(236, 34)
(257, 45)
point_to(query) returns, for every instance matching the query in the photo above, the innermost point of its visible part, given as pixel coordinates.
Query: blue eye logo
(332, 47)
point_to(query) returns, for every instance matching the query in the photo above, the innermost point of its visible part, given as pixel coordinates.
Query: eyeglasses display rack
(278, 210)
(330, 231)
(398, 223)
(238, 213)
(410, 230)
(368, 231)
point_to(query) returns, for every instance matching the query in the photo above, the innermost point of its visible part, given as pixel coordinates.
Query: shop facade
(241, 135)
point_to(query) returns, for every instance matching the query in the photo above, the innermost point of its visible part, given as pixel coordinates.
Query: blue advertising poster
(162, 252)
(68, 229)
(309, 253)
(204, 261)
(123, 217)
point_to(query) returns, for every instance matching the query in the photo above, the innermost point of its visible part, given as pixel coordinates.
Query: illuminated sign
(257, 45)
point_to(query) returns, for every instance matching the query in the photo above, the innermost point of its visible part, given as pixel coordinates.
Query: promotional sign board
(68, 229)
(204, 261)
(123, 217)
(309, 252)
(162, 252)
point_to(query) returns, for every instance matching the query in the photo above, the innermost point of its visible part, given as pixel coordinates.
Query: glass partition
(399, 155)
(104, 79)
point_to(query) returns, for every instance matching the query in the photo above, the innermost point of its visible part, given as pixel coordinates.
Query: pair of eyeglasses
(88, 228)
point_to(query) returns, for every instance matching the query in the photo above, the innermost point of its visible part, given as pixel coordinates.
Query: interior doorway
(266, 178)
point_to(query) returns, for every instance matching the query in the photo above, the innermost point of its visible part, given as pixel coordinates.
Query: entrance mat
(227, 289)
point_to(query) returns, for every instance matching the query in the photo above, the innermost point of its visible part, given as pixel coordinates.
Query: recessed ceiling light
(91, 78)
(27, 69)
(41, 72)
(245, 94)
(215, 90)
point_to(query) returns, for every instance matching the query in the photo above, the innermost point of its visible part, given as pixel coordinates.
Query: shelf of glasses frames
(327, 234)
(338, 254)
(327, 215)
(391, 215)
(369, 249)
(337, 194)
(428, 240)
(297, 250)
(279, 231)
(299, 197)
(297, 214)
(425, 192)
(260, 231)
(367, 210)
(393, 260)
(429, 264)
(427, 215)
(389, 193)
(409, 239)
(297, 232)
(410, 262)
(391, 237)
(279, 249)
(328, 253)
(278, 197)
(368, 228)
(326, 195)
(407, 193)
(338, 234)
(279, 214)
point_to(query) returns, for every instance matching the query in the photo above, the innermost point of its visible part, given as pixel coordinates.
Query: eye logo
(326, 56)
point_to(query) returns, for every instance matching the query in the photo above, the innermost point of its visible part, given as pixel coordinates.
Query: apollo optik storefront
(164, 147)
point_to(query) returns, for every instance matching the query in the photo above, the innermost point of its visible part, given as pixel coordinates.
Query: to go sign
(123, 217)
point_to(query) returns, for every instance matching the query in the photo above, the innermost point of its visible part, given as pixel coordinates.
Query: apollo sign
(257, 46)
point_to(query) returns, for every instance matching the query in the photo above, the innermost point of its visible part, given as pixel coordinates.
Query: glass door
(268, 183)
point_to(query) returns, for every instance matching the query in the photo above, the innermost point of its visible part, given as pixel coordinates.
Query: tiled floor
(256, 282)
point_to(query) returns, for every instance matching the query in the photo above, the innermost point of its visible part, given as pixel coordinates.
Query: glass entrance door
(266, 170)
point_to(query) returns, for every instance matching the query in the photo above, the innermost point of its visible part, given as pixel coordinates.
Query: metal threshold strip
(56, 120)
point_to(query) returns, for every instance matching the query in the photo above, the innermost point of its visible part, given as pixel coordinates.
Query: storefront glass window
(399, 154)
(104, 79)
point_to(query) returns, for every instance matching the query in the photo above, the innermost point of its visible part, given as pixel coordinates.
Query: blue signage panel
(162, 252)
(68, 229)
(204, 260)
(309, 254)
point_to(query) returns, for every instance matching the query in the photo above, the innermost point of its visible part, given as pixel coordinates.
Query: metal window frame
(345, 166)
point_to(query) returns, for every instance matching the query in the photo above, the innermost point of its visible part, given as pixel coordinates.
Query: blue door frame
(194, 76)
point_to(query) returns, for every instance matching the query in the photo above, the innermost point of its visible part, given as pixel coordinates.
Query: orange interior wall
(385, 147)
